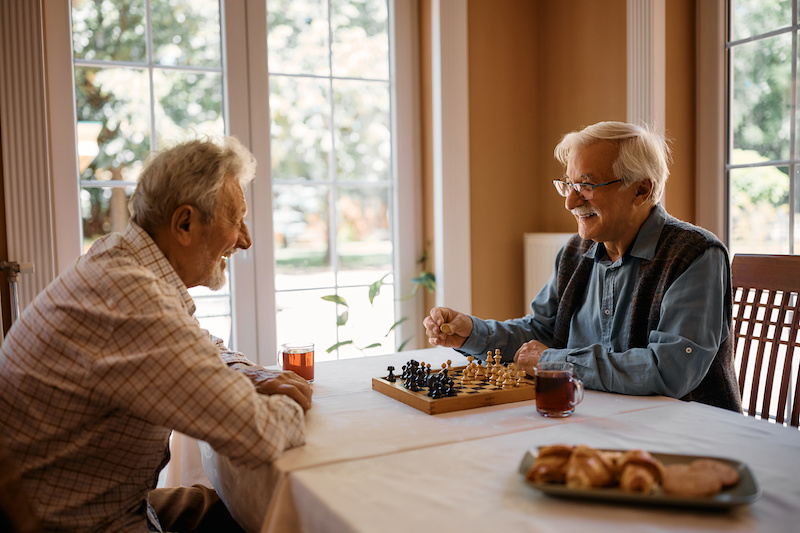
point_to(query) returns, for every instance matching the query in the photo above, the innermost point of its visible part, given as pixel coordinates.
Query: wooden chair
(766, 314)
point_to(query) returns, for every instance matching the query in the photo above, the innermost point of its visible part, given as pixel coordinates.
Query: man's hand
(279, 382)
(459, 327)
(528, 356)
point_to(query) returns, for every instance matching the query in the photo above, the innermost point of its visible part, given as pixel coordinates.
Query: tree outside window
(763, 171)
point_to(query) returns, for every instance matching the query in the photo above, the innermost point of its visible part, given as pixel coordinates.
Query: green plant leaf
(373, 345)
(375, 288)
(400, 348)
(335, 298)
(425, 279)
(341, 320)
(338, 345)
(395, 325)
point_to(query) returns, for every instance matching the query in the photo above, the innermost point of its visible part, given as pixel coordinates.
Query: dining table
(371, 463)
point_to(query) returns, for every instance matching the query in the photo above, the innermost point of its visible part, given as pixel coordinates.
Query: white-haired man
(639, 302)
(109, 358)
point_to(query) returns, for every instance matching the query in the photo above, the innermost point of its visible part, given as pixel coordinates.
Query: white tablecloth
(374, 464)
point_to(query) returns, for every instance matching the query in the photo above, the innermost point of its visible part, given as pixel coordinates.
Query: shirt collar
(151, 257)
(644, 244)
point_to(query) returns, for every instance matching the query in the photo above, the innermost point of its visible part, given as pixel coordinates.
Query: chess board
(470, 395)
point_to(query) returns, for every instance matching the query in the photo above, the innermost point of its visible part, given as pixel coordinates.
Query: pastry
(550, 464)
(639, 472)
(683, 480)
(588, 468)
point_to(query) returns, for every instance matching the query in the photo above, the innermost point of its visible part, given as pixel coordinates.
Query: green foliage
(118, 96)
(425, 279)
(758, 185)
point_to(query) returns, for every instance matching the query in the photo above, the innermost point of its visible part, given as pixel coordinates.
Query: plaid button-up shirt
(99, 369)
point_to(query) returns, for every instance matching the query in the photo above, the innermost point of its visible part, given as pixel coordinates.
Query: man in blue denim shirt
(639, 301)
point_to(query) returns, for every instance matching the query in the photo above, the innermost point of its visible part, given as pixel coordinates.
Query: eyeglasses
(585, 190)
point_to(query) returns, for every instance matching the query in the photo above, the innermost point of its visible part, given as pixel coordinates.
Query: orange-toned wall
(537, 70)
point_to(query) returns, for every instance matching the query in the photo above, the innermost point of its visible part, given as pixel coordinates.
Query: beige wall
(537, 70)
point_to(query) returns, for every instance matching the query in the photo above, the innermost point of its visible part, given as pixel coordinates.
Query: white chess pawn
(480, 372)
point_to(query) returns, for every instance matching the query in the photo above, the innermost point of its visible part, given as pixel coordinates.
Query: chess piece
(449, 367)
(391, 377)
(480, 372)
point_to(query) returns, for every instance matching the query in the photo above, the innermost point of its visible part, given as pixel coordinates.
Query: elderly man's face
(609, 216)
(224, 236)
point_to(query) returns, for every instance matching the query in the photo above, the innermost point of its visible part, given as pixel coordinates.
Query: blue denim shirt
(679, 351)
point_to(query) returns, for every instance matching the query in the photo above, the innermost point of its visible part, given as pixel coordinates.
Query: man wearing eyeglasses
(639, 301)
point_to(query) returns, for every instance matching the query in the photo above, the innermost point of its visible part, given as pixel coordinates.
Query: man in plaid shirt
(109, 359)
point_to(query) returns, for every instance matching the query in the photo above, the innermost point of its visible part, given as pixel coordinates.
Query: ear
(643, 191)
(184, 224)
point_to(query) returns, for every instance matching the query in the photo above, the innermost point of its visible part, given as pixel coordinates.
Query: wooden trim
(452, 232)
(710, 183)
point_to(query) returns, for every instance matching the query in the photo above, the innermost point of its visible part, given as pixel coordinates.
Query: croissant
(588, 468)
(639, 472)
(550, 464)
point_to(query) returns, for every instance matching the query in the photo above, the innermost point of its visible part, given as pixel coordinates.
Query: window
(333, 180)
(149, 73)
(763, 169)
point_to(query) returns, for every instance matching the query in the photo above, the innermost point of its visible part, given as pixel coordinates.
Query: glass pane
(367, 324)
(297, 37)
(104, 210)
(186, 32)
(300, 129)
(796, 249)
(360, 44)
(187, 104)
(214, 309)
(116, 99)
(754, 17)
(304, 316)
(363, 130)
(110, 30)
(302, 251)
(759, 210)
(364, 239)
(761, 102)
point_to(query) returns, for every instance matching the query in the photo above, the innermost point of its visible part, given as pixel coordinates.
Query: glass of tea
(299, 358)
(557, 390)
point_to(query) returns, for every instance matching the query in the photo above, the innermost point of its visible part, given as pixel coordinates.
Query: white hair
(191, 173)
(643, 153)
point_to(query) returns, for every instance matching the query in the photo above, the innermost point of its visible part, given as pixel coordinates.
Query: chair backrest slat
(766, 292)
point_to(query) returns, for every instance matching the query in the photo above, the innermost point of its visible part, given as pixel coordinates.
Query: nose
(244, 241)
(573, 200)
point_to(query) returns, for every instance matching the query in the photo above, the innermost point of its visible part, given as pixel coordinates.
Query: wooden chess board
(469, 395)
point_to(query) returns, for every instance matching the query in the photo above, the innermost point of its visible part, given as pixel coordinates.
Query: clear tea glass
(557, 390)
(299, 358)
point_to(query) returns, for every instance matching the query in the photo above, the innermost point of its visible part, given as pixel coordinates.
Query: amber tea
(557, 391)
(299, 358)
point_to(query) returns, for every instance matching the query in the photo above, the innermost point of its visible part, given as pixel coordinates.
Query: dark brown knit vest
(678, 246)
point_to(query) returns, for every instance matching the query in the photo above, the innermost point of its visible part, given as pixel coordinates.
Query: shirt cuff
(232, 358)
(476, 342)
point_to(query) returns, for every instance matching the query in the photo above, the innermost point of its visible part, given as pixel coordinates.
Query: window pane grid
(148, 73)
(352, 248)
(762, 165)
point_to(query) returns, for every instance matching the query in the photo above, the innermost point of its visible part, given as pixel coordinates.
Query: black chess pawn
(391, 377)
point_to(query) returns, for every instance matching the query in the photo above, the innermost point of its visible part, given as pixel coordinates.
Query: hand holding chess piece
(446, 327)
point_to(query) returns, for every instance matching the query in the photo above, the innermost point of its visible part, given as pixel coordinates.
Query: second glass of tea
(299, 358)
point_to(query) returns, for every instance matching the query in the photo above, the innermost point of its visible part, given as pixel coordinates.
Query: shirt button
(607, 312)
(688, 349)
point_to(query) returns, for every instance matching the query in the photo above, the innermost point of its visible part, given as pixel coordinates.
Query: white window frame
(247, 116)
